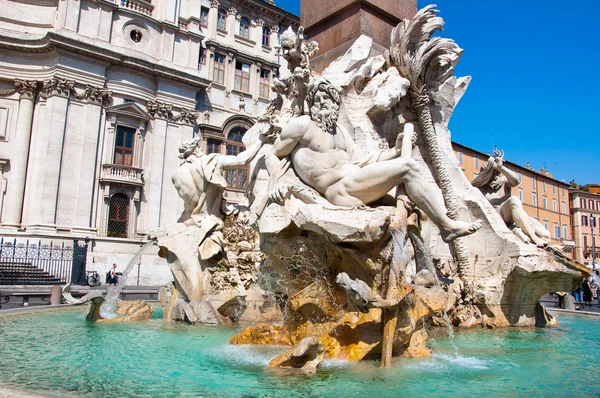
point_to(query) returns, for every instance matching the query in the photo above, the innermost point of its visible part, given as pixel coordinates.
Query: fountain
(360, 233)
(358, 208)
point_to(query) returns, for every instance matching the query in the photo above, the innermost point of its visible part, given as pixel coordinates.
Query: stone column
(231, 22)
(13, 203)
(212, 19)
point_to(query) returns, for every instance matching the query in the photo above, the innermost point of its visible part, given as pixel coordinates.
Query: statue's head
(190, 147)
(488, 176)
(323, 100)
(288, 39)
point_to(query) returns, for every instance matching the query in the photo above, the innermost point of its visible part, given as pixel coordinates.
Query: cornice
(53, 41)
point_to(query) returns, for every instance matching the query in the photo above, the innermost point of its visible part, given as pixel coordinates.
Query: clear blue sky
(535, 89)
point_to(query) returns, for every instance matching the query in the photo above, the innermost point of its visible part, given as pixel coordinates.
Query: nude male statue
(326, 158)
(200, 182)
(495, 181)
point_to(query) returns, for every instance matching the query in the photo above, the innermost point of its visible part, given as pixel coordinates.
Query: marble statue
(200, 182)
(326, 158)
(495, 181)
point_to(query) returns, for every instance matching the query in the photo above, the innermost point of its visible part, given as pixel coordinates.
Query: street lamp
(592, 225)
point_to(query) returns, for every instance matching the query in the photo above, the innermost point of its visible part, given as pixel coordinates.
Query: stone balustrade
(140, 6)
(122, 174)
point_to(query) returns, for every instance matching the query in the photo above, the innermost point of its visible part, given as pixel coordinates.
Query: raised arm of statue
(243, 158)
(511, 177)
(290, 135)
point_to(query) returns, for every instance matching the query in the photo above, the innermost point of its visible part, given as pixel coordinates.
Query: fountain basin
(58, 352)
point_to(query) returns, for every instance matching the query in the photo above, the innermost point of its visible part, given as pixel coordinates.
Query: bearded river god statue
(362, 209)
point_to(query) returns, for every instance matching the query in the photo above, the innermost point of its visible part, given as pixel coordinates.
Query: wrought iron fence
(26, 263)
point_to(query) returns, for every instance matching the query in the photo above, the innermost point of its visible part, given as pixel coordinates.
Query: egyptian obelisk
(335, 25)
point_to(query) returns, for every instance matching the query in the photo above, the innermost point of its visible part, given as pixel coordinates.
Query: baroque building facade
(96, 97)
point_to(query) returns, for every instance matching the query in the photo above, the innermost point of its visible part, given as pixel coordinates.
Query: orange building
(544, 198)
(585, 209)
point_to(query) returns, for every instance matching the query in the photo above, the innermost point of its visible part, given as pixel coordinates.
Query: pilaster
(13, 202)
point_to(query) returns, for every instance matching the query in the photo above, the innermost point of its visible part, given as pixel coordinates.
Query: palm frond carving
(427, 62)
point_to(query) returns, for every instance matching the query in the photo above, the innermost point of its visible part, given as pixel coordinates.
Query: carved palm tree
(427, 62)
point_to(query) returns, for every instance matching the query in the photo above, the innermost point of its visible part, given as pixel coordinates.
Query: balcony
(567, 245)
(140, 6)
(118, 173)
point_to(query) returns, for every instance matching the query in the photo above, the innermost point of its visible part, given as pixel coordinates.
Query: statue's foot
(458, 229)
(539, 243)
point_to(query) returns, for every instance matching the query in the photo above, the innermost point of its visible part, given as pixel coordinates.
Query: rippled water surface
(59, 352)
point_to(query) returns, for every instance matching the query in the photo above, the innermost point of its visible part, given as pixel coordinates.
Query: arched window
(236, 178)
(118, 216)
(244, 27)
(266, 36)
(222, 19)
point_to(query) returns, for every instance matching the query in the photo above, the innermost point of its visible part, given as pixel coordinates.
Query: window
(460, 156)
(242, 77)
(266, 36)
(222, 19)
(546, 225)
(244, 27)
(236, 178)
(533, 183)
(598, 205)
(545, 202)
(135, 35)
(584, 221)
(562, 192)
(556, 231)
(202, 58)
(520, 177)
(124, 146)
(592, 221)
(553, 188)
(544, 185)
(564, 207)
(585, 242)
(219, 71)
(213, 146)
(591, 204)
(534, 199)
(521, 194)
(554, 205)
(565, 235)
(582, 203)
(476, 161)
(118, 216)
(204, 17)
(264, 83)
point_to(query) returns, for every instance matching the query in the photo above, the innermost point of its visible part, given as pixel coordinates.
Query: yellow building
(544, 198)
(585, 209)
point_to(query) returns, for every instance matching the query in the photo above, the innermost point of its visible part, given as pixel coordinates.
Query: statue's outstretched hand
(280, 193)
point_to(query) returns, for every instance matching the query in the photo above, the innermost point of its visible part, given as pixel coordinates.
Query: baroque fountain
(360, 233)
(360, 224)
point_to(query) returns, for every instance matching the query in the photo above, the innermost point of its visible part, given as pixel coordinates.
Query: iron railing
(26, 263)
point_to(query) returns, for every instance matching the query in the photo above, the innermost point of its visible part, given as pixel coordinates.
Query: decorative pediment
(130, 109)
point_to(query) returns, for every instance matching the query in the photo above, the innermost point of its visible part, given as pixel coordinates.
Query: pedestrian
(561, 298)
(577, 295)
(586, 289)
(113, 278)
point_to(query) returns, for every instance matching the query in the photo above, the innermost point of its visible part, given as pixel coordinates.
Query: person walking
(113, 278)
(586, 289)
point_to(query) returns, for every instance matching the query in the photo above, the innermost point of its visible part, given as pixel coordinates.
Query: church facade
(97, 95)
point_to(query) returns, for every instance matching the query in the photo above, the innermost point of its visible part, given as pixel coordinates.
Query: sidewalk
(14, 296)
(551, 302)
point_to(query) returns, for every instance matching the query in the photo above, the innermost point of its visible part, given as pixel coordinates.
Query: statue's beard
(327, 118)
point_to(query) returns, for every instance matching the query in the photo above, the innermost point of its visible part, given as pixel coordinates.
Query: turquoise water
(59, 352)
